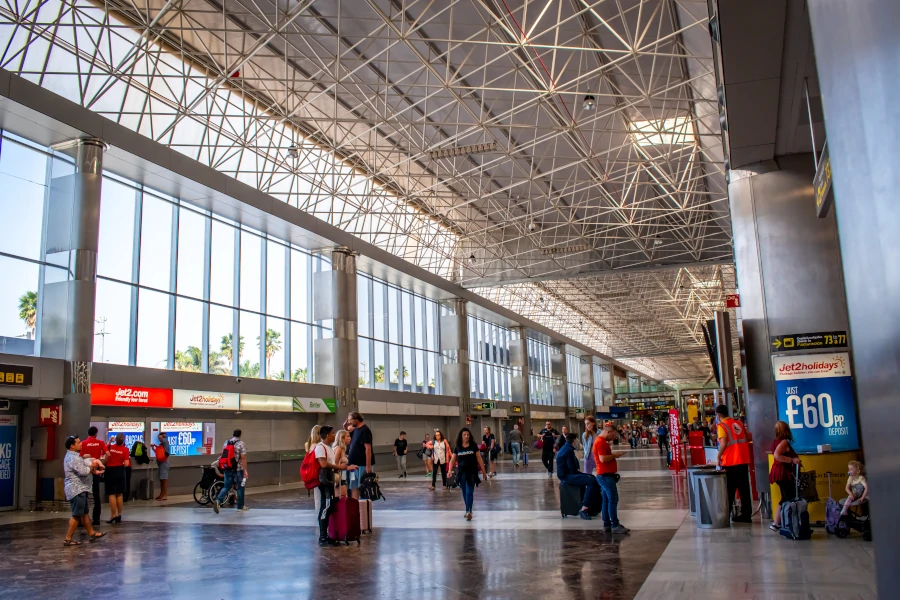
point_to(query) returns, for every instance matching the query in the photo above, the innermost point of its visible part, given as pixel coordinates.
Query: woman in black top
(467, 456)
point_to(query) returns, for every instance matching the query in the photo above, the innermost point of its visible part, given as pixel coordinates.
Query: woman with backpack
(468, 459)
(782, 471)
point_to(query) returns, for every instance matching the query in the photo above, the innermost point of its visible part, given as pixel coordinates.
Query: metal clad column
(68, 297)
(560, 377)
(586, 367)
(336, 358)
(521, 388)
(455, 379)
(789, 276)
(856, 51)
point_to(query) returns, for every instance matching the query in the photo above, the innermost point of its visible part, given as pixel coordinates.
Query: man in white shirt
(325, 456)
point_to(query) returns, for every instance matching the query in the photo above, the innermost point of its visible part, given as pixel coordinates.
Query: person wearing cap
(79, 472)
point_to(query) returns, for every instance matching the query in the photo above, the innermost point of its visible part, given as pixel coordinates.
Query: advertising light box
(815, 399)
(186, 438)
(123, 395)
(133, 431)
(287, 404)
(205, 400)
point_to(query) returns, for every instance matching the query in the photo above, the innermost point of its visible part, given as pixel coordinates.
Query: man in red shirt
(605, 459)
(95, 449)
(117, 458)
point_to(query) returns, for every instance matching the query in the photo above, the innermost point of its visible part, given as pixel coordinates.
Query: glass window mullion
(207, 266)
(173, 278)
(135, 273)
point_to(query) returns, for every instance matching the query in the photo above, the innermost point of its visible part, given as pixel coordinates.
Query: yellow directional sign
(808, 341)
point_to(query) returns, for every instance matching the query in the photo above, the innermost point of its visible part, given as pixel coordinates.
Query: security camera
(532, 226)
(238, 380)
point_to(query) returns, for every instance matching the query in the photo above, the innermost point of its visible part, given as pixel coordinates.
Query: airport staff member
(734, 457)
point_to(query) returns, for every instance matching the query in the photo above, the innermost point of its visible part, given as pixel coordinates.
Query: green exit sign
(486, 406)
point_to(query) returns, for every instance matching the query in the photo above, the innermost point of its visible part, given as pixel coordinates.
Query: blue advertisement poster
(815, 399)
(8, 440)
(185, 439)
(132, 430)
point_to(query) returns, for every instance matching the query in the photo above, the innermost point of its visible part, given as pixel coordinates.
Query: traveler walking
(360, 452)
(548, 438)
(117, 458)
(78, 473)
(324, 454)
(400, 449)
(607, 476)
(233, 463)
(587, 442)
(516, 443)
(95, 449)
(780, 474)
(662, 439)
(341, 442)
(441, 456)
(162, 464)
(426, 454)
(490, 443)
(734, 457)
(560, 439)
(568, 472)
(468, 459)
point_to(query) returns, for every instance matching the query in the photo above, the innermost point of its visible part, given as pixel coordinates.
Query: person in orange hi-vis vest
(734, 457)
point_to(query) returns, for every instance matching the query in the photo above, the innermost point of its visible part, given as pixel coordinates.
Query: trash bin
(712, 500)
(692, 472)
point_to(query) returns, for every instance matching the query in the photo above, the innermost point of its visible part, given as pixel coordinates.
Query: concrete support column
(455, 377)
(334, 301)
(586, 368)
(856, 52)
(521, 388)
(67, 297)
(560, 390)
(789, 276)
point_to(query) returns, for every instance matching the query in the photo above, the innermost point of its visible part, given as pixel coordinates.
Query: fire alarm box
(43, 443)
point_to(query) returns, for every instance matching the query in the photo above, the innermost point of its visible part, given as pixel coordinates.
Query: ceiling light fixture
(532, 226)
(462, 150)
(472, 258)
(589, 102)
(657, 241)
(293, 152)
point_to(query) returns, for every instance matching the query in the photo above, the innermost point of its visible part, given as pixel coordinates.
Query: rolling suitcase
(365, 516)
(343, 525)
(832, 511)
(570, 499)
(144, 490)
(795, 516)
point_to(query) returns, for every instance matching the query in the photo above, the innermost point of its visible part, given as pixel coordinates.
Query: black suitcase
(570, 499)
(144, 490)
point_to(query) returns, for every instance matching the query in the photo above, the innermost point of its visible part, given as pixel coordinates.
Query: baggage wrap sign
(132, 430)
(9, 434)
(185, 438)
(816, 400)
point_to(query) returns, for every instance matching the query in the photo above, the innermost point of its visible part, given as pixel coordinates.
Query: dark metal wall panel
(857, 47)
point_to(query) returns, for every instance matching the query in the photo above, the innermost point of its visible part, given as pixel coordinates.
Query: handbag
(420, 454)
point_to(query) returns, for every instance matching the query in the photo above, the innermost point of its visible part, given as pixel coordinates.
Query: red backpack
(228, 462)
(161, 454)
(309, 469)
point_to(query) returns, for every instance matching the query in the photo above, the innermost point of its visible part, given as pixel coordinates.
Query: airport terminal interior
(455, 299)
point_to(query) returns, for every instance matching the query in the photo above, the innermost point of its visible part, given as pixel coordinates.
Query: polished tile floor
(517, 546)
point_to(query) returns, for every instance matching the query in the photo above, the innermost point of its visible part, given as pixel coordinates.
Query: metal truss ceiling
(368, 90)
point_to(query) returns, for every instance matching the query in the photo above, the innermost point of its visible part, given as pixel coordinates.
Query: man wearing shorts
(163, 466)
(360, 452)
(79, 476)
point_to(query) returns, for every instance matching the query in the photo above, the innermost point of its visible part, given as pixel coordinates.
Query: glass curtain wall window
(601, 374)
(539, 374)
(399, 347)
(573, 378)
(25, 173)
(490, 374)
(177, 286)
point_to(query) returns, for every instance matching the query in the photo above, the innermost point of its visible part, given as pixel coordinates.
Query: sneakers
(468, 516)
(607, 528)
(328, 542)
(774, 527)
(549, 474)
(400, 477)
(583, 514)
(216, 505)
(621, 529)
(244, 509)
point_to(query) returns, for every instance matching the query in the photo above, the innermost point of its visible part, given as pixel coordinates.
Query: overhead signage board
(125, 395)
(516, 409)
(315, 405)
(267, 403)
(485, 405)
(16, 375)
(822, 184)
(816, 400)
(809, 341)
(205, 400)
(132, 430)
